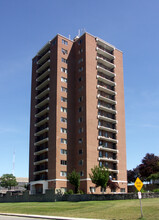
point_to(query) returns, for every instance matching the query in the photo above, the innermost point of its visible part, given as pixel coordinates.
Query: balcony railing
(106, 109)
(41, 122)
(105, 63)
(41, 141)
(108, 159)
(41, 151)
(46, 56)
(101, 50)
(103, 128)
(104, 118)
(39, 161)
(107, 81)
(43, 84)
(105, 71)
(43, 75)
(105, 89)
(44, 66)
(108, 139)
(42, 112)
(45, 48)
(105, 99)
(106, 46)
(108, 149)
(41, 132)
(43, 102)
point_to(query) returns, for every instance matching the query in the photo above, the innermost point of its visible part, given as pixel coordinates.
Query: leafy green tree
(154, 176)
(74, 179)
(8, 180)
(99, 176)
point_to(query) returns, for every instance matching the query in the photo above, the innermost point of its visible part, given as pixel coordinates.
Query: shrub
(155, 190)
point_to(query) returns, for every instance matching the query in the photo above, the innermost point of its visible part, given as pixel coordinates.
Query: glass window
(80, 151)
(80, 99)
(63, 109)
(64, 42)
(63, 119)
(100, 164)
(80, 69)
(80, 140)
(81, 173)
(64, 130)
(63, 60)
(63, 89)
(63, 79)
(80, 79)
(63, 173)
(63, 151)
(64, 51)
(63, 141)
(100, 153)
(92, 189)
(122, 189)
(80, 120)
(80, 130)
(63, 99)
(64, 70)
(63, 162)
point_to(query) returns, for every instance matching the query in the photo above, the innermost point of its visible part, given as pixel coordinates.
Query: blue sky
(25, 26)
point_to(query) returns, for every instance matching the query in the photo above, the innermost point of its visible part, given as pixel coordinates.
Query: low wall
(50, 196)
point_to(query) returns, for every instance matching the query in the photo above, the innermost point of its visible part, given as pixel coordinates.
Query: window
(63, 141)
(63, 89)
(100, 153)
(64, 70)
(103, 189)
(80, 151)
(81, 173)
(80, 69)
(80, 51)
(63, 99)
(80, 120)
(100, 164)
(105, 144)
(63, 109)
(105, 134)
(122, 189)
(80, 99)
(80, 140)
(80, 109)
(64, 42)
(80, 130)
(92, 189)
(63, 60)
(80, 79)
(64, 130)
(64, 51)
(63, 119)
(80, 89)
(63, 151)
(54, 42)
(63, 79)
(80, 162)
(63, 173)
(63, 162)
(100, 133)
(63, 189)
(113, 190)
(79, 42)
(106, 164)
(99, 123)
(80, 60)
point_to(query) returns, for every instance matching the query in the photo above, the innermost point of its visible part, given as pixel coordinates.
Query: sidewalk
(45, 217)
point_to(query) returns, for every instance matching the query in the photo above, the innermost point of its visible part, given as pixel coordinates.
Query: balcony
(45, 101)
(46, 56)
(105, 89)
(41, 141)
(105, 71)
(108, 139)
(103, 128)
(104, 52)
(41, 161)
(43, 84)
(108, 47)
(108, 159)
(108, 100)
(106, 109)
(43, 93)
(44, 48)
(113, 171)
(41, 122)
(108, 149)
(44, 66)
(104, 118)
(41, 151)
(41, 171)
(107, 81)
(42, 112)
(43, 75)
(105, 62)
(41, 132)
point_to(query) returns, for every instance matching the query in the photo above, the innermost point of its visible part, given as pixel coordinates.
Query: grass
(110, 210)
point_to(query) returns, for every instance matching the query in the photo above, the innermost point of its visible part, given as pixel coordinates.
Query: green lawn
(114, 210)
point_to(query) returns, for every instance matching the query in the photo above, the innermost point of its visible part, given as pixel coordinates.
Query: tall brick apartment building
(77, 113)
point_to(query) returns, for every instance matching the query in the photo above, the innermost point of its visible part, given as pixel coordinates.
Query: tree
(74, 179)
(149, 165)
(133, 174)
(8, 180)
(99, 176)
(112, 185)
(154, 176)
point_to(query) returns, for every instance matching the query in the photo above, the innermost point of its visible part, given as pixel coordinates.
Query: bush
(155, 190)
(80, 192)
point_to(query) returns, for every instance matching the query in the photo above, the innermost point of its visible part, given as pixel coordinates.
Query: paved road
(16, 218)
